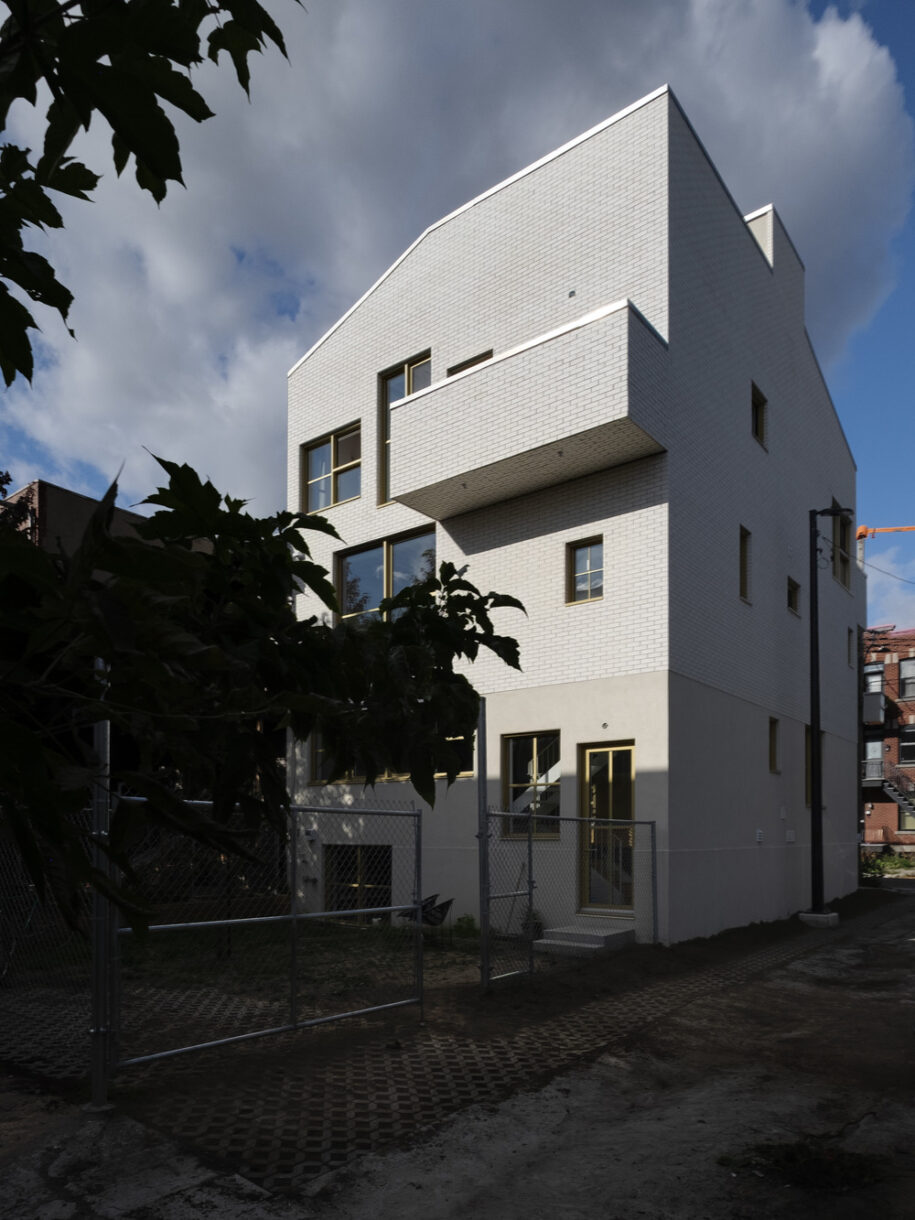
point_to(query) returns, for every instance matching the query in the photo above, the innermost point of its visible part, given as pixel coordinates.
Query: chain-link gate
(562, 888)
(307, 927)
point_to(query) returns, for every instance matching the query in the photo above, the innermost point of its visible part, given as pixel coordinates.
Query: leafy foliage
(121, 60)
(204, 665)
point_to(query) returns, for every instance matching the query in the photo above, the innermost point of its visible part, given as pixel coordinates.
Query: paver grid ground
(288, 1113)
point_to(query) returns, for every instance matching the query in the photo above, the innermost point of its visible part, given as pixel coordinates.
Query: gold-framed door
(606, 848)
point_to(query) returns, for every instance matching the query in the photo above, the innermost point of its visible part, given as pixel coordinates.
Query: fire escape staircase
(900, 788)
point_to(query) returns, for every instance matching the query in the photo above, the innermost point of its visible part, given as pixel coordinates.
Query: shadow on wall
(634, 486)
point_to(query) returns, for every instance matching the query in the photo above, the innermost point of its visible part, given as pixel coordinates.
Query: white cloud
(391, 114)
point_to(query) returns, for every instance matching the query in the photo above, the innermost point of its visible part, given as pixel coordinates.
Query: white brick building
(632, 450)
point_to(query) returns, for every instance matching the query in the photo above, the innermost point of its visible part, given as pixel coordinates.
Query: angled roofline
(522, 173)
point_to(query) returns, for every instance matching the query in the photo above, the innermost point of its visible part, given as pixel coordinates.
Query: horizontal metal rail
(263, 1033)
(261, 919)
(510, 894)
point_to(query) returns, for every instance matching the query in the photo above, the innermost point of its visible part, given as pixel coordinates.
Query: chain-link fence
(304, 928)
(563, 888)
(321, 922)
(45, 976)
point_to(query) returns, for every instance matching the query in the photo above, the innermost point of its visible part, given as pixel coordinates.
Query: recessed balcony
(590, 395)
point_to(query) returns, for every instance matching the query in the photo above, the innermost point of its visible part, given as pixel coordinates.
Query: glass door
(606, 842)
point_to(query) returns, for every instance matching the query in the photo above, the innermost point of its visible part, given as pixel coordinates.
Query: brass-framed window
(463, 748)
(357, 876)
(367, 575)
(395, 383)
(320, 772)
(758, 414)
(585, 570)
(530, 784)
(745, 563)
(841, 548)
(331, 469)
(794, 596)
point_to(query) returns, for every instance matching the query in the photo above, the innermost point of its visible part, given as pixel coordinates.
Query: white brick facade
(629, 310)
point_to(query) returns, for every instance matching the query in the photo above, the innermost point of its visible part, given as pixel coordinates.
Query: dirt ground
(787, 1096)
(790, 1096)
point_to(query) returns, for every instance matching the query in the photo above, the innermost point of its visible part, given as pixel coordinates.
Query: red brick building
(888, 766)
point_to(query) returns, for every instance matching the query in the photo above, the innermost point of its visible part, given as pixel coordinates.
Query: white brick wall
(636, 211)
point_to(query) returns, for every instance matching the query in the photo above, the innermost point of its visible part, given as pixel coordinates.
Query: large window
(372, 573)
(585, 571)
(396, 383)
(332, 469)
(907, 678)
(530, 770)
(907, 745)
(841, 548)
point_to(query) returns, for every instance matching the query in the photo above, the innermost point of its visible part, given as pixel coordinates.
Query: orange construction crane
(867, 531)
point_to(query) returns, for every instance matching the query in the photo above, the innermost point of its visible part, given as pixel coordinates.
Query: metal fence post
(483, 840)
(418, 899)
(654, 883)
(101, 940)
(293, 825)
(530, 894)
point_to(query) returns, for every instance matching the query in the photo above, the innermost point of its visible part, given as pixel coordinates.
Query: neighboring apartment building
(593, 385)
(57, 517)
(888, 767)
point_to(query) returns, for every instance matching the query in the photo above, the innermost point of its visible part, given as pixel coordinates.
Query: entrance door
(606, 843)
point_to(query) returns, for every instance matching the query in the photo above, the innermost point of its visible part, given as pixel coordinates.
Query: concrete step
(579, 941)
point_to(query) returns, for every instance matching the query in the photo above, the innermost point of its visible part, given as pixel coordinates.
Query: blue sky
(390, 114)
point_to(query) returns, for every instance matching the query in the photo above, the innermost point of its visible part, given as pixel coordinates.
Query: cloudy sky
(391, 113)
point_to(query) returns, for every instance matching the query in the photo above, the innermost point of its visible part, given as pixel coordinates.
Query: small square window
(585, 570)
(794, 596)
(758, 414)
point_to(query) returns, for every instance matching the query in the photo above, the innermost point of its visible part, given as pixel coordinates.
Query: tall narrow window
(332, 469)
(841, 548)
(758, 410)
(396, 383)
(907, 678)
(531, 784)
(794, 596)
(873, 679)
(585, 571)
(773, 746)
(745, 564)
(907, 745)
(367, 576)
